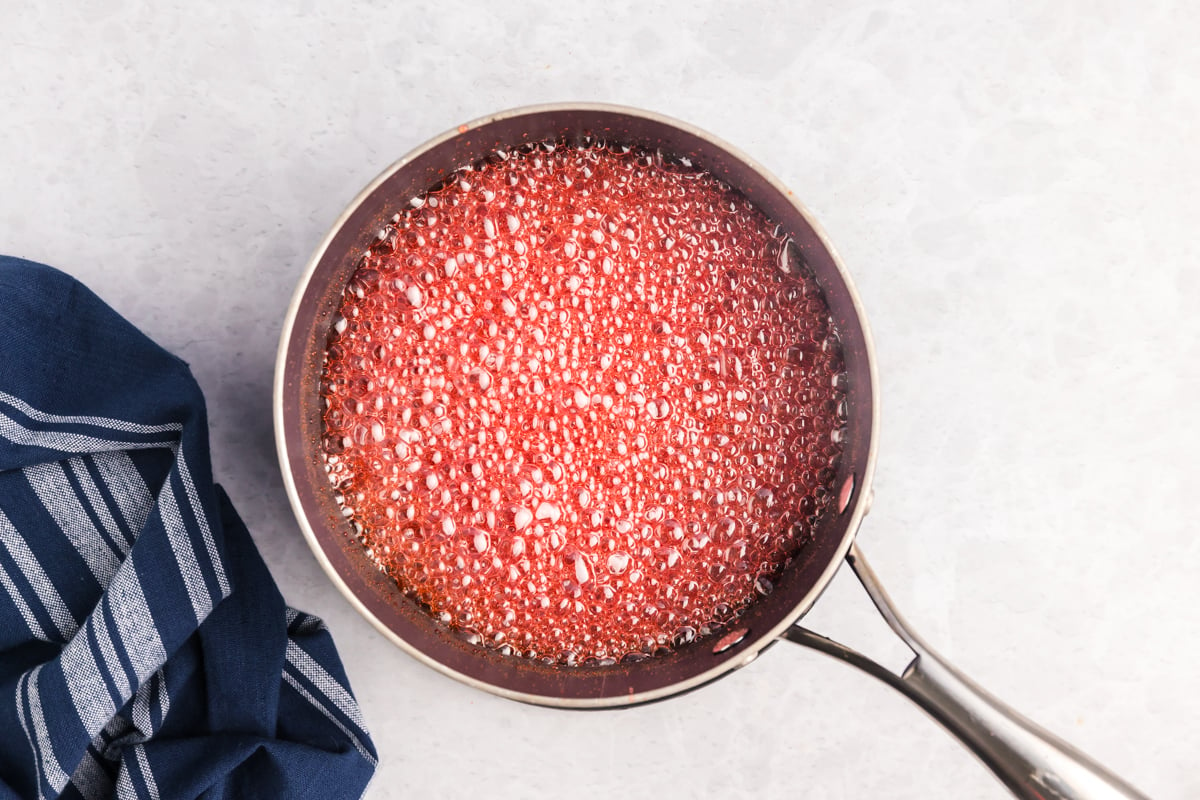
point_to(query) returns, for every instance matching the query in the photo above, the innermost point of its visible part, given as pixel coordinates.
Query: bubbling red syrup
(582, 402)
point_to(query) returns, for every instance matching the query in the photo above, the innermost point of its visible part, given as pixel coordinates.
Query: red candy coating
(581, 402)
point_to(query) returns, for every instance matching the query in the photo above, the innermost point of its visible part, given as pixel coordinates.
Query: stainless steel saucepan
(1030, 761)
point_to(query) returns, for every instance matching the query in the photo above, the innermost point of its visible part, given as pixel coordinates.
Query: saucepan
(1030, 761)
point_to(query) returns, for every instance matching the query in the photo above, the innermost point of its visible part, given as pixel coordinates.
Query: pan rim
(859, 503)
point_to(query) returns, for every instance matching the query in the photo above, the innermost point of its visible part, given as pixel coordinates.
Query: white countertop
(1017, 193)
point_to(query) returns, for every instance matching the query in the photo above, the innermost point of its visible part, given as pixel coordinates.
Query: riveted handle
(1032, 762)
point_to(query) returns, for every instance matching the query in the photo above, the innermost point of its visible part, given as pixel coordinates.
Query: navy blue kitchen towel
(144, 648)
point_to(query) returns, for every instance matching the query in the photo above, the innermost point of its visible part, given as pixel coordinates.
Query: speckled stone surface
(1015, 191)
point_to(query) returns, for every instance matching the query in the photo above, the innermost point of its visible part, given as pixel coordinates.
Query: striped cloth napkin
(144, 648)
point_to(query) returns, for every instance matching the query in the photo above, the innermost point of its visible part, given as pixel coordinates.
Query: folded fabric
(144, 648)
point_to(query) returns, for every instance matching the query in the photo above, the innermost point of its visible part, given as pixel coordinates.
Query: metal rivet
(845, 494)
(730, 639)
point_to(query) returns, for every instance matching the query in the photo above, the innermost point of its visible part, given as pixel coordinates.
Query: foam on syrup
(582, 403)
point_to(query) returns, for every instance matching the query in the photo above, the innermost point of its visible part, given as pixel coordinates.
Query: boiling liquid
(582, 403)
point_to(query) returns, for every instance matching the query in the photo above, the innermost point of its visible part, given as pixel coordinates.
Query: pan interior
(299, 423)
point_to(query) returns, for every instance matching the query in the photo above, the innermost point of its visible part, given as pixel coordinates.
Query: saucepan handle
(1032, 762)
